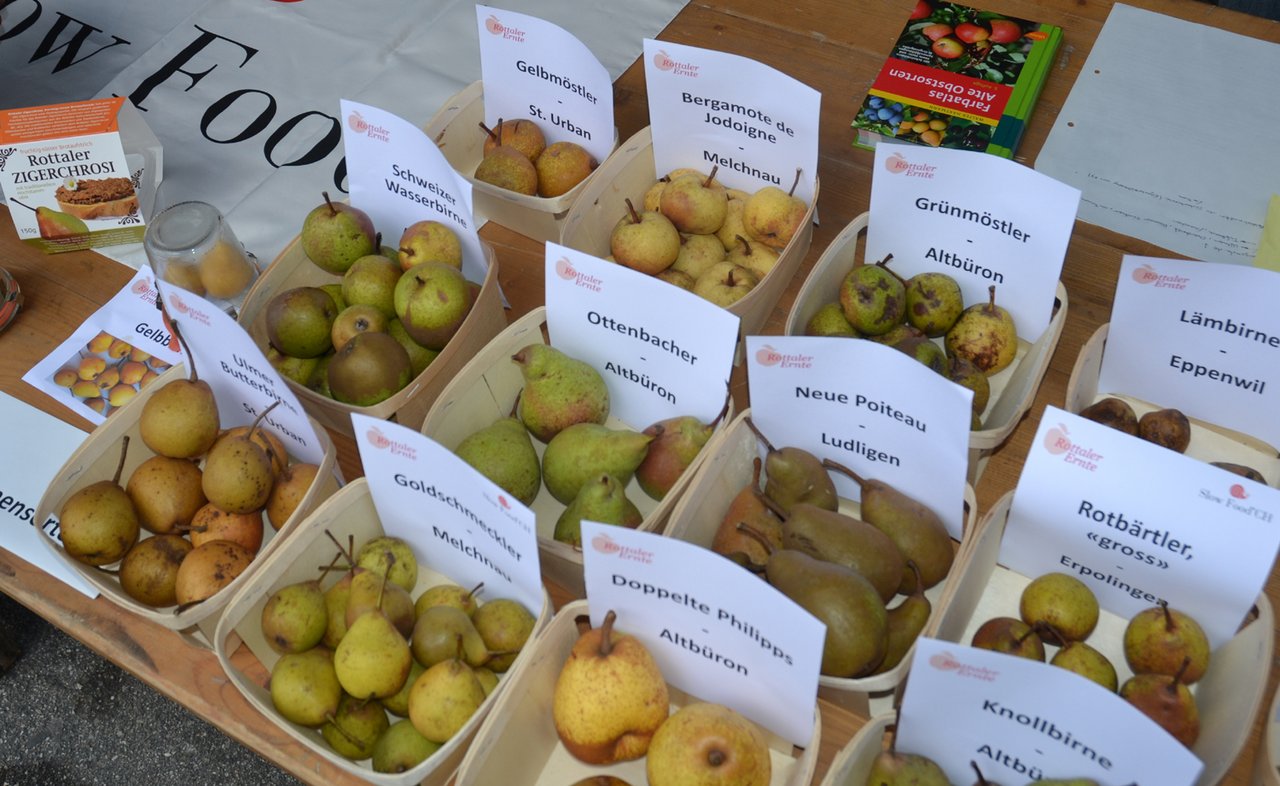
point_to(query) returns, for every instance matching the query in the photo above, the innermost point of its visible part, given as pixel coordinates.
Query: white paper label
(980, 219)
(244, 382)
(1203, 338)
(458, 522)
(1139, 523)
(708, 109)
(715, 630)
(536, 70)
(867, 406)
(398, 176)
(1023, 721)
(623, 324)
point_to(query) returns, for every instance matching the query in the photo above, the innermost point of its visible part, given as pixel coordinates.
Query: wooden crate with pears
(378, 380)
(1199, 439)
(154, 513)
(399, 737)
(1008, 392)
(519, 743)
(484, 394)
(1228, 695)
(770, 256)
(726, 490)
(456, 129)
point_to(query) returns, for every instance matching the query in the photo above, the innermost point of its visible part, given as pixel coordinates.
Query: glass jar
(191, 246)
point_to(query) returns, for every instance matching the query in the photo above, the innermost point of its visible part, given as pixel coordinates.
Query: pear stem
(1032, 631)
(884, 263)
(333, 211)
(746, 245)
(1173, 686)
(475, 591)
(838, 467)
(756, 535)
(1168, 618)
(254, 426)
(515, 405)
(794, 183)
(124, 449)
(767, 444)
(991, 299)
(182, 342)
(711, 177)
(631, 211)
(606, 633)
(772, 505)
(981, 780)
(490, 132)
(915, 569)
(728, 279)
(756, 466)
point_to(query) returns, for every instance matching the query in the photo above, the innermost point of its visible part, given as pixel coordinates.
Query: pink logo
(179, 304)
(1056, 440)
(357, 123)
(896, 164)
(565, 270)
(945, 661)
(664, 62)
(503, 502)
(140, 287)
(378, 439)
(768, 356)
(1238, 491)
(495, 27)
(382, 442)
(605, 544)
(1145, 274)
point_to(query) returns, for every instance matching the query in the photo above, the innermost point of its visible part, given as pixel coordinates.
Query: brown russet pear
(918, 532)
(238, 473)
(585, 451)
(1011, 636)
(1167, 427)
(748, 507)
(355, 727)
(99, 524)
(288, 492)
(370, 368)
(443, 699)
(558, 391)
(503, 452)
(335, 234)
(647, 242)
(1113, 412)
(985, 334)
(372, 660)
(209, 568)
(834, 537)
(213, 523)
(694, 203)
(561, 167)
(609, 698)
(1061, 604)
(522, 134)
(294, 617)
(601, 499)
(906, 621)
(676, 444)
(149, 571)
(166, 493)
(305, 687)
(794, 475)
(180, 420)
(706, 743)
(444, 632)
(774, 216)
(508, 168)
(390, 556)
(1166, 700)
(505, 625)
(1160, 639)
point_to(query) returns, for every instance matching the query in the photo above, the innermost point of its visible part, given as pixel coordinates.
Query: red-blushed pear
(1011, 636)
(521, 134)
(1161, 640)
(559, 391)
(609, 698)
(773, 216)
(706, 744)
(429, 241)
(748, 507)
(676, 444)
(335, 234)
(647, 241)
(695, 204)
(1166, 700)
(432, 301)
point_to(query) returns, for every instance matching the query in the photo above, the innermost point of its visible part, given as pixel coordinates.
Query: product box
(1228, 696)
(455, 129)
(727, 469)
(630, 172)
(959, 77)
(1012, 389)
(486, 390)
(97, 459)
(1209, 442)
(79, 175)
(518, 745)
(293, 269)
(348, 516)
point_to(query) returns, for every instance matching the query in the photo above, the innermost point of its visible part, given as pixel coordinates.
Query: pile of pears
(362, 338)
(717, 242)
(382, 675)
(925, 317)
(585, 465)
(1165, 649)
(842, 569)
(611, 704)
(517, 158)
(200, 498)
(108, 373)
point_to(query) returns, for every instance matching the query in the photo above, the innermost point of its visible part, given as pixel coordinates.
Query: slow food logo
(566, 271)
(496, 27)
(897, 164)
(357, 123)
(381, 441)
(606, 545)
(945, 661)
(1058, 442)
(664, 62)
(1147, 275)
(1237, 501)
(768, 356)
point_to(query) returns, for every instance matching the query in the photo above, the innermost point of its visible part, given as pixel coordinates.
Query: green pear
(985, 334)
(753, 255)
(335, 234)
(873, 298)
(906, 621)
(390, 556)
(1159, 639)
(448, 595)
(647, 242)
(398, 702)
(697, 253)
(725, 283)
(294, 618)
(357, 318)
(305, 688)
(587, 450)
(299, 370)
(371, 281)
(432, 300)
(505, 625)
(419, 356)
(1086, 661)
(372, 660)
(335, 604)
(891, 768)
(99, 524)
(299, 322)
(371, 590)
(602, 499)
(1061, 604)
(830, 321)
(429, 241)
(444, 698)
(401, 748)
(503, 452)
(794, 475)
(934, 302)
(355, 728)
(558, 391)
(445, 632)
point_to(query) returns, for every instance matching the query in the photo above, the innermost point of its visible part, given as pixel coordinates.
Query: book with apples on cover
(958, 77)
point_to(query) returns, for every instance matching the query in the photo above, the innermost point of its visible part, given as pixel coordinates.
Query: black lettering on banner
(21, 26)
(317, 152)
(71, 47)
(174, 66)
(222, 104)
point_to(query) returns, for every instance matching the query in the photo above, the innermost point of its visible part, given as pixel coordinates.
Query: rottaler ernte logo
(361, 126)
(1058, 442)
(566, 270)
(664, 62)
(382, 442)
(898, 165)
(768, 356)
(945, 661)
(495, 27)
(1145, 274)
(606, 545)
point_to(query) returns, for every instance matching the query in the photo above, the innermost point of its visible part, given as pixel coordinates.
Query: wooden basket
(852, 764)
(1266, 760)
(629, 172)
(485, 391)
(1209, 442)
(408, 406)
(727, 468)
(1012, 389)
(517, 745)
(96, 460)
(1229, 695)
(350, 512)
(455, 129)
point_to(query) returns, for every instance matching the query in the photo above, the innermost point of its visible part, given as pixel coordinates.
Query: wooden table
(836, 47)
